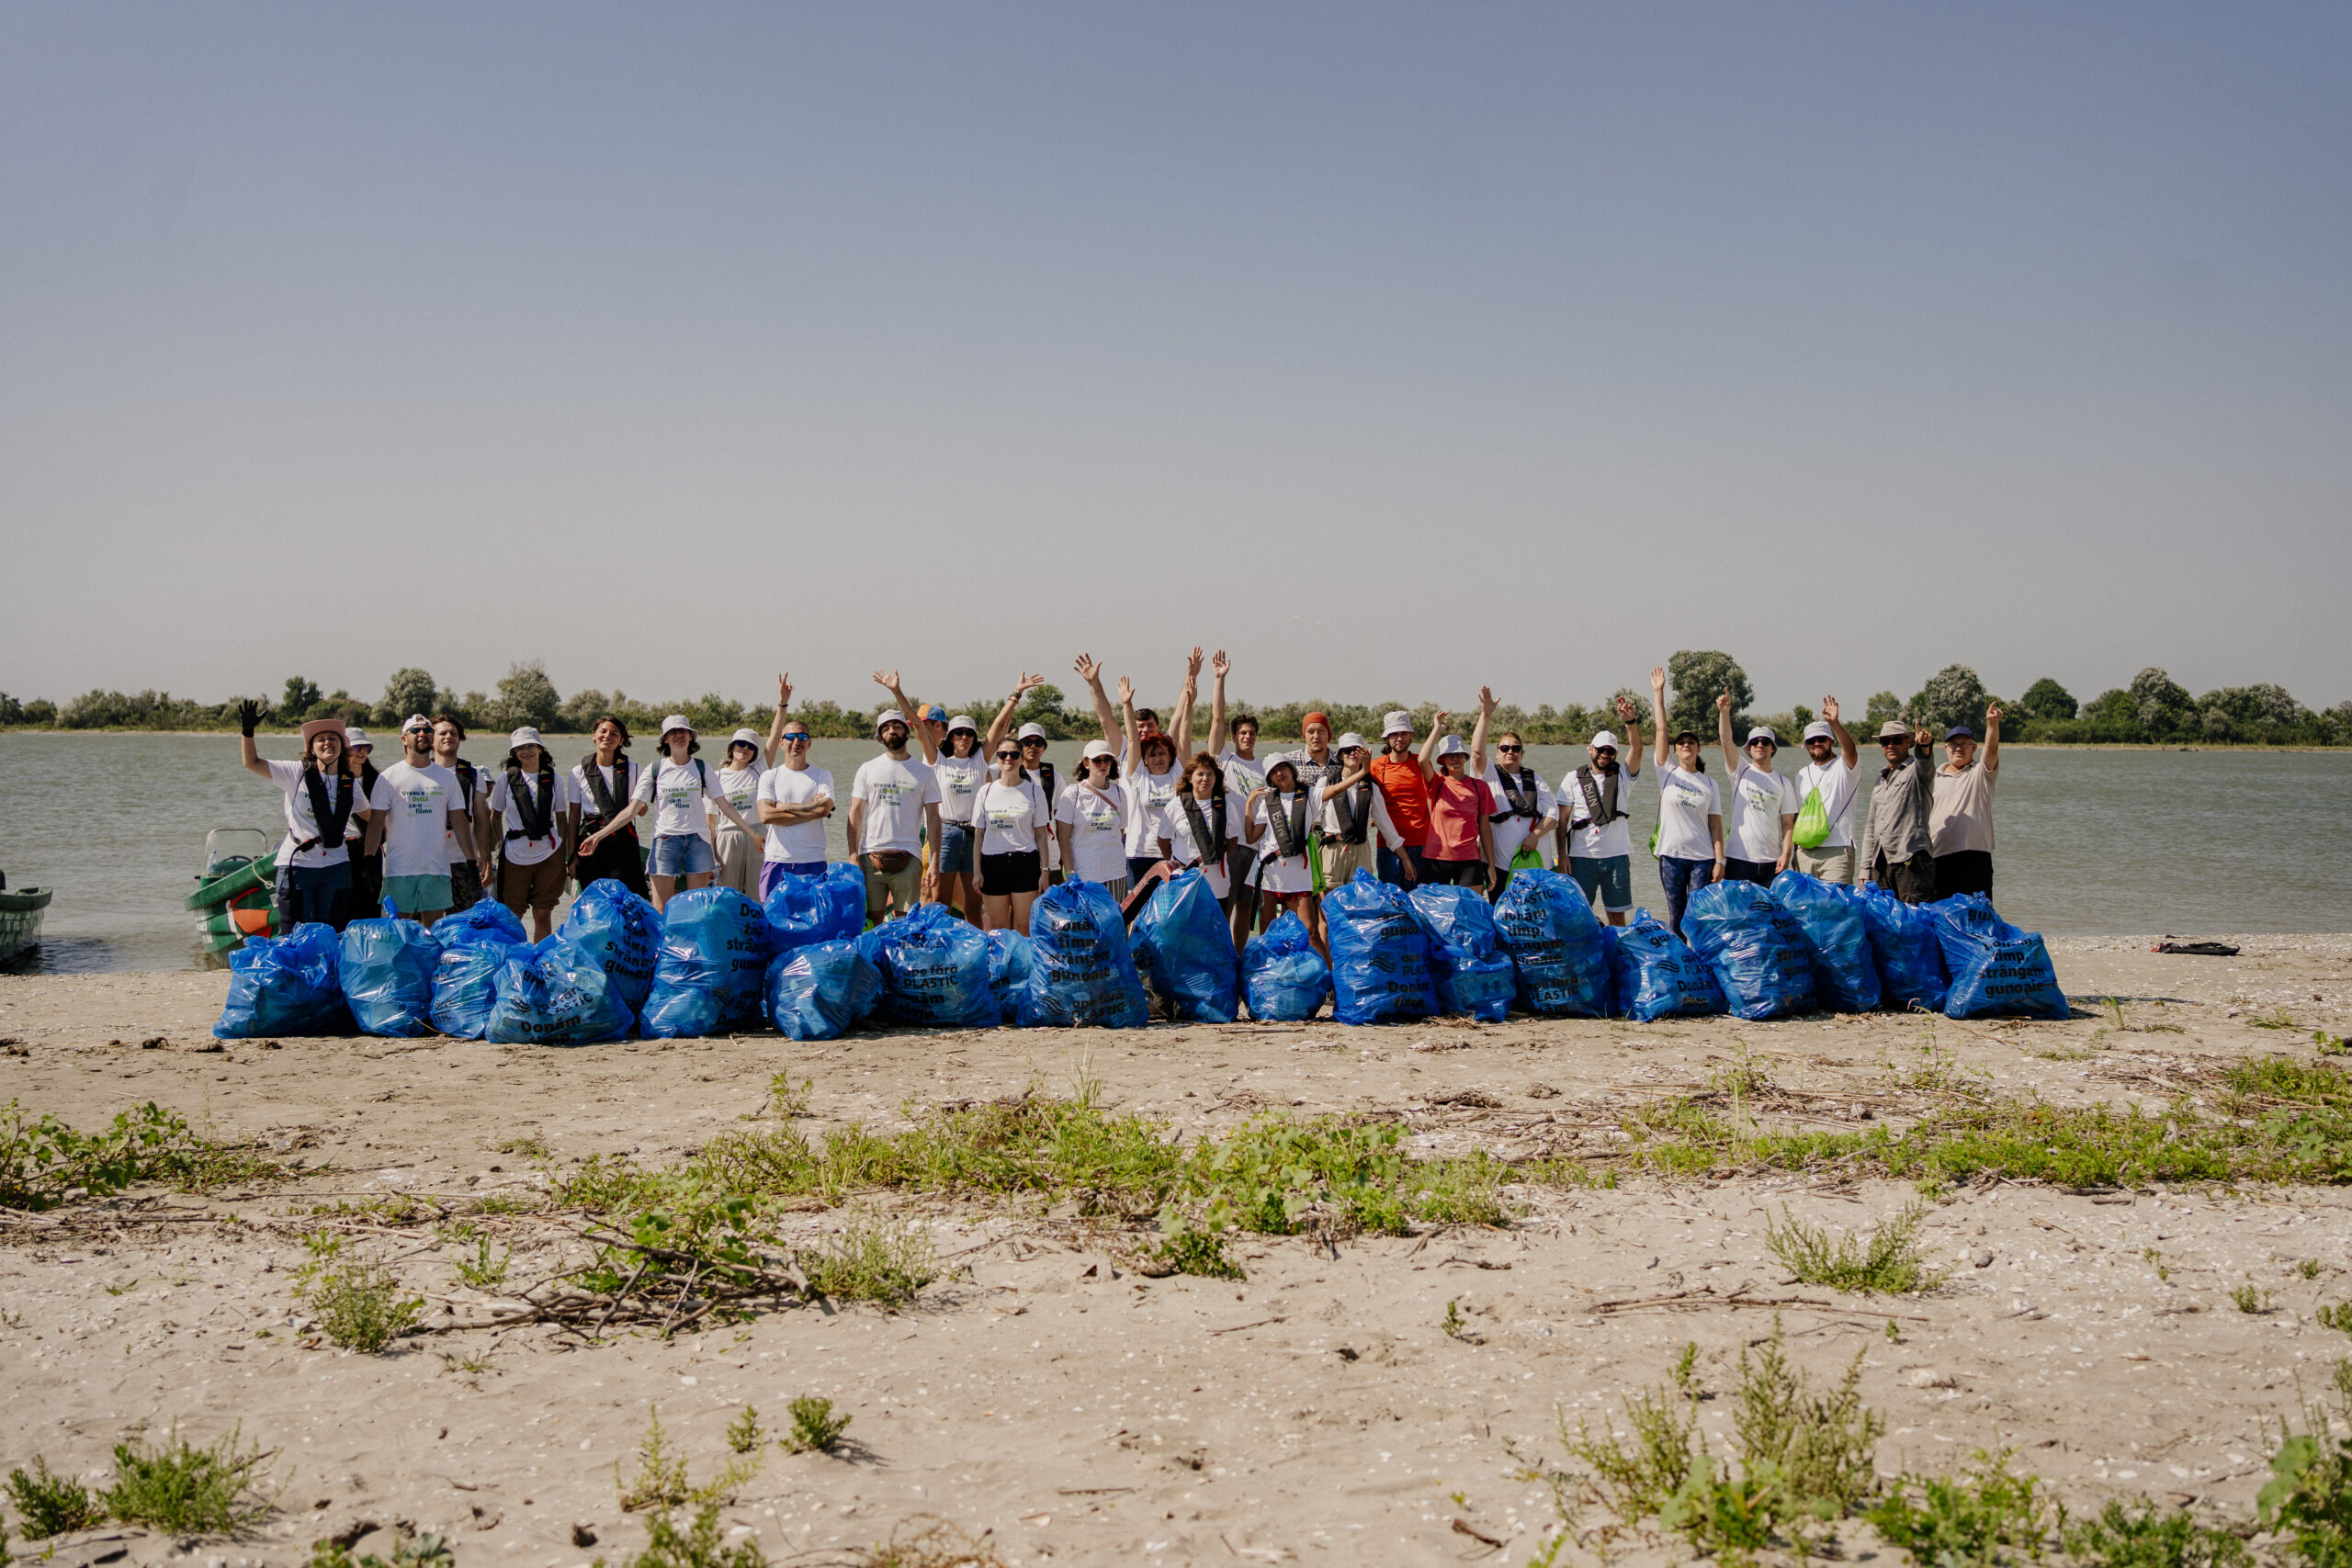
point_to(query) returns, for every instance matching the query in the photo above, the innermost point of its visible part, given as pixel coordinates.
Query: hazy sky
(1391, 348)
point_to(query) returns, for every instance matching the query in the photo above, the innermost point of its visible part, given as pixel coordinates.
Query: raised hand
(783, 693)
(1829, 709)
(1722, 703)
(1027, 682)
(1221, 666)
(249, 716)
(887, 680)
(1088, 668)
(1993, 715)
(1486, 702)
(1127, 690)
(1923, 738)
(1657, 677)
(1625, 709)
(1193, 665)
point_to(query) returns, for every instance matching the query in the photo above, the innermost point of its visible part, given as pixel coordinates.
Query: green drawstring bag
(1654, 841)
(1813, 821)
(1527, 859)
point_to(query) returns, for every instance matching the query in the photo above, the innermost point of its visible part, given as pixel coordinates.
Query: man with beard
(1595, 814)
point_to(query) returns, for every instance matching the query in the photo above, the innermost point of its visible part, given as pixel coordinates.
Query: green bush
(50, 1505)
(1983, 1517)
(181, 1489)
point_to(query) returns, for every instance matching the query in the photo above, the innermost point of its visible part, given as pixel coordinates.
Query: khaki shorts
(1829, 865)
(899, 888)
(1341, 862)
(535, 887)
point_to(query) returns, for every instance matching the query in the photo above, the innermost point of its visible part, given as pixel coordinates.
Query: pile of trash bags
(1081, 971)
(1473, 976)
(1380, 955)
(1554, 939)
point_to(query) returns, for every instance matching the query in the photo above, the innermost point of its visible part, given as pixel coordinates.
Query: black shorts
(1456, 872)
(1760, 872)
(1966, 871)
(1003, 876)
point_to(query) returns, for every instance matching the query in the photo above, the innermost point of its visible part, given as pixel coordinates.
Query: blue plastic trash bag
(619, 930)
(935, 970)
(1283, 977)
(1996, 969)
(552, 993)
(465, 983)
(1756, 949)
(1008, 972)
(1471, 975)
(1658, 975)
(820, 991)
(713, 967)
(286, 984)
(1184, 945)
(387, 967)
(831, 908)
(1380, 959)
(488, 920)
(1081, 972)
(1844, 971)
(1908, 949)
(1545, 926)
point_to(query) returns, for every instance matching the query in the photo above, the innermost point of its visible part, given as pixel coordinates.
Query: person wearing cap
(602, 786)
(737, 849)
(678, 789)
(1354, 819)
(1233, 742)
(1760, 837)
(1960, 823)
(1091, 820)
(1898, 850)
(1402, 775)
(1281, 823)
(1690, 814)
(893, 812)
(465, 884)
(794, 800)
(1460, 849)
(532, 809)
(322, 796)
(424, 813)
(363, 835)
(1039, 768)
(1594, 830)
(1525, 810)
(1829, 778)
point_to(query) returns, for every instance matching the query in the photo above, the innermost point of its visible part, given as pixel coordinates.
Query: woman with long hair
(602, 786)
(1010, 814)
(679, 791)
(1091, 820)
(1198, 829)
(323, 794)
(739, 853)
(1279, 824)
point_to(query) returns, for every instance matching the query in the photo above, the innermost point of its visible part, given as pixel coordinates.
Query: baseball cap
(1351, 741)
(1894, 730)
(744, 738)
(416, 721)
(355, 738)
(1605, 738)
(527, 735)
(1960, 732)
(1032, 731)
(1763, 732)
(1453, 746)
(1095, 749)
(677, 721)
(961, 721)
(1395, 721)
(1819, 731)
(936, 714)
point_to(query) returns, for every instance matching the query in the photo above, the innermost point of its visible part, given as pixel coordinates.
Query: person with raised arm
(1525, 811)
(1898, 850)
(893, 810)
(1829, 777)
(533, 807)
(1013, 822)
(1281, 823)
(1689, 813)
(1960, 824)
(1233, 743)
(323, 793)
(1760, 834)
(602, 786)
(1354, 819)
(794, 800)
(1402, 774)
(1596, 842)
(1461, 847)
(1149, 766)
(679, 790)
(961, 768)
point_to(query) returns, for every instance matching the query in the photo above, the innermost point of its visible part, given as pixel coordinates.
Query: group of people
(981, 822)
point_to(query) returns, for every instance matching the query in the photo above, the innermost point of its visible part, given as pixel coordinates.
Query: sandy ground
(1080, 1413)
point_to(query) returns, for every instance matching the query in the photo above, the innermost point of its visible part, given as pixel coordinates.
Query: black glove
(249, 716)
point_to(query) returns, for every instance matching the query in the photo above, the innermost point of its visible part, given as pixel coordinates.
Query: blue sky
(1394, 349)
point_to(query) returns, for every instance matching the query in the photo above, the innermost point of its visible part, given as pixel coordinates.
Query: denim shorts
(954, 849)
(681, 854)
(1610, 879)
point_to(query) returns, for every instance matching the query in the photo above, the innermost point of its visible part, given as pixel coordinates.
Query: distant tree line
(2152, 710)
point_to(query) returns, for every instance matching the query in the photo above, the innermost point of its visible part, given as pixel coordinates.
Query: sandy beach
(1045, 1396)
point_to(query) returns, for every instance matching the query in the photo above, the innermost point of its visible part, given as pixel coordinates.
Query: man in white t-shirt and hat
(1829, 777)
(1594, 817)
(893, 807)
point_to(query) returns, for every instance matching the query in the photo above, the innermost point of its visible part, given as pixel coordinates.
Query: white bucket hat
(525, 736)
(962, 721)
(744, 738)
(1395, 721)
(1031, 731)
(677, 721)
(1819, 731)
(887, 715)
(1351, 741)
(1763, 732)
(1453, 746)
(354, 738)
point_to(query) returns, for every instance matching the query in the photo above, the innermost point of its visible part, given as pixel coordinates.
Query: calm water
(2091, 843)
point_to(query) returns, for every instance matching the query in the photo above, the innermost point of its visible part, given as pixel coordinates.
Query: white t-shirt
(1244, 776)
(1510, 833)
(1685, 801)
(680, 793)
(509, 805)
(1146, 793)
(1097, 820)
(585, 798)
(1589, 842)
(1758, 801)
(416, 831)
(1176, 827)
(1836, 782)
(1279, 872)
(794, 844)
(895, 794)
(742, 788)
(301, 825)
(959, 779)
(1008, 816)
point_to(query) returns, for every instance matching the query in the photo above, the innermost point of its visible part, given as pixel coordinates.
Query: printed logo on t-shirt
(420, 801)
(1690, 797)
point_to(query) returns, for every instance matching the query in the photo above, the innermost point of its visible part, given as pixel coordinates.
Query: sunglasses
(1510, 751)
(1008, 756)
(795, 739)
(1026, 744)
(1604, 751)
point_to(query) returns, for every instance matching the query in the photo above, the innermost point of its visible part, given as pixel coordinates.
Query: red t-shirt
(1456, 807)
(1406, 794)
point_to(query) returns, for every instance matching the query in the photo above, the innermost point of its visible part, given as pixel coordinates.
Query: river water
(2097, 841)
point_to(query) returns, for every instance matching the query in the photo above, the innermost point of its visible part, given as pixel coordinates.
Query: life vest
(1524, 799)
(1208, 841)
(539, 816)
(330, 817)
